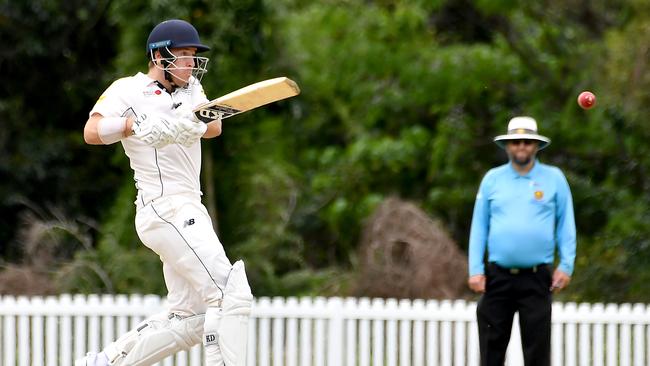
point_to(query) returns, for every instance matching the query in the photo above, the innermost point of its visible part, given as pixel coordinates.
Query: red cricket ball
(586, 100)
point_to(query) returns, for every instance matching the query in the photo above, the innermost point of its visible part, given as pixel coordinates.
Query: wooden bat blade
(247, 98)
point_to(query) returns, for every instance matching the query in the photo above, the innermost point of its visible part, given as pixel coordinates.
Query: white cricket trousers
(178, 228)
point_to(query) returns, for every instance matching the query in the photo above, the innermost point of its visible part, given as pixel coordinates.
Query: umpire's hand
(477, 283)
(560, 280)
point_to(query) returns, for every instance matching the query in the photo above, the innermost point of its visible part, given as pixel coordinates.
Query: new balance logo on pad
(188, 222)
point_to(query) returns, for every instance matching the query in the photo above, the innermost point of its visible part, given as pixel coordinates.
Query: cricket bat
(247, 98)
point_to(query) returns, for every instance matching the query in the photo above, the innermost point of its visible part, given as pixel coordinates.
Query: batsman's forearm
(114, 129)
(91, 135)
(214, 130)
(128, 130)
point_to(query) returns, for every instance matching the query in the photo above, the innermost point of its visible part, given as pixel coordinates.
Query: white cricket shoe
(92, 359)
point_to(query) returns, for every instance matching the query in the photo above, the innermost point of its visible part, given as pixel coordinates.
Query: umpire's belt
(517, 270)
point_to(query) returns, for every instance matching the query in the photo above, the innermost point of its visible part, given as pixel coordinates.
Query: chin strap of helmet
(166, 54)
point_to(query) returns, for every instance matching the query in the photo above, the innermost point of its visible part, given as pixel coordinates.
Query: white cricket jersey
(157, 172)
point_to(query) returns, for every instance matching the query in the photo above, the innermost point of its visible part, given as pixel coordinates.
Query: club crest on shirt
(539, 195)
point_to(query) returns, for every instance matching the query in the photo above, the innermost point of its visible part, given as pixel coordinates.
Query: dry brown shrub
(406, 254)
(47, 239)
(25, 280)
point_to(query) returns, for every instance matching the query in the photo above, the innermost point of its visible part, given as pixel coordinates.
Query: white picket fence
(319, 331)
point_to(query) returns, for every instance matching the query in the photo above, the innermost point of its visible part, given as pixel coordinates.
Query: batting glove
(155, 131)
(185, 112)
(190, 131)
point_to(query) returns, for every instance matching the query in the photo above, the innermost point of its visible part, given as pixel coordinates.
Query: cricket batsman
(209, 299)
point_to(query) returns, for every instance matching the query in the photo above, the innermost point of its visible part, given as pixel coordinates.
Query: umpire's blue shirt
(521, 219)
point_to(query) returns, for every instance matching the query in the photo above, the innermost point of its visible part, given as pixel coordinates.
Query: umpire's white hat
(522, 128)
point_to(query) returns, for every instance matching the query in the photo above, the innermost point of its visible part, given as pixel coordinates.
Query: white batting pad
(236, 309)
(154, 339)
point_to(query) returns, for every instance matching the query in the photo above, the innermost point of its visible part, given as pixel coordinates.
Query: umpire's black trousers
(508, 291)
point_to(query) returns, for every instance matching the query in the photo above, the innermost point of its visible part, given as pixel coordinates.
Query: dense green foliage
(398, 98)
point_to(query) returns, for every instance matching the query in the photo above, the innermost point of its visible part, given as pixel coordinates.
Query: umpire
(522, 214)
